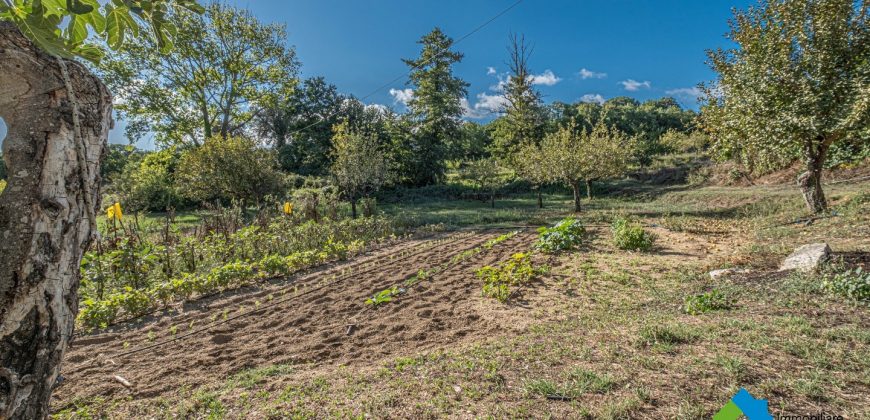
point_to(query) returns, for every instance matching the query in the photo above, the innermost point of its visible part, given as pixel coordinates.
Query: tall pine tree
(436, 108)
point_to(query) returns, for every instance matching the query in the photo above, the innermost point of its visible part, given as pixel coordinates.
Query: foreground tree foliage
(797, 84)
(359, 167)
(226, 67)
(225, 169)
(58, 117)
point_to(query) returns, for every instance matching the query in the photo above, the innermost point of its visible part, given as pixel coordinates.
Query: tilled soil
(319, 318)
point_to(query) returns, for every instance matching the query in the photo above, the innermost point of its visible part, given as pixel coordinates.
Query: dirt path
(305, 320)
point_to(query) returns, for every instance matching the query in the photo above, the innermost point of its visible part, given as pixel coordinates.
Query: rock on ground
(806, 258)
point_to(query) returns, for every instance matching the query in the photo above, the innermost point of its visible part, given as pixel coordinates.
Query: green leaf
(77, 7)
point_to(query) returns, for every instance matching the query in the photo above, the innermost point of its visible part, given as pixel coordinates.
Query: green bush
(565, 235)
(705, 302)
(853, 284)
(149, 183)
(2, 185)
(629, 235)
(226, 169)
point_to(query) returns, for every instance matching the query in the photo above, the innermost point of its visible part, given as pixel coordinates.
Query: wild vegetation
(289, 251)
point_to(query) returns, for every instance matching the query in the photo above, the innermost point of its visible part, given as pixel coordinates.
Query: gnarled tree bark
(44, 222)
(810, 182)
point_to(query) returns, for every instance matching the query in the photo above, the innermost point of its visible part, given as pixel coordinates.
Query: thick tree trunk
(576, 187)
(810, 182)
(589, 189)
(540, 199)
(353, 208)
(44, 222)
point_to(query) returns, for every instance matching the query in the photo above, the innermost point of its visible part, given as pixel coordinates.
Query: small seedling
(384, 296)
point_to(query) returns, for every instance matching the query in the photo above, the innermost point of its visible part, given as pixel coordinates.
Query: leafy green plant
(705, 302)
(630, 235)
(384, 296)
(565, 235)
(498, 281)
(852, 284)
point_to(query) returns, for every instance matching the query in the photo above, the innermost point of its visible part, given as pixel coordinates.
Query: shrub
(629, 235)
(149, 183)
(229, 168)
(705, 302)
(497, 281)
(2, 185)
(565, 235)
(853, 284)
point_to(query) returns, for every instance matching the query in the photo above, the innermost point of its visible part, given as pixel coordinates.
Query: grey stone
(806, 258)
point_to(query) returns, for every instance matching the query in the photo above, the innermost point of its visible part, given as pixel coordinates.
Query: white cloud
(592, 97)
(490, 71)
(632, 85)
(547, 78)
(486, 106)
(402, 95)
(490, 103)
(589, 74)
(686, 93)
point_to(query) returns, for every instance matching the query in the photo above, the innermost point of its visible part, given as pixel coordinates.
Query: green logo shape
(729, 412)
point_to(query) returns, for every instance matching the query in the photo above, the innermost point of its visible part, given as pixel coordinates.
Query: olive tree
(797, 82)
(484, 174)
(58, 117)
(359, 167)
(531, 165)
(575, 157)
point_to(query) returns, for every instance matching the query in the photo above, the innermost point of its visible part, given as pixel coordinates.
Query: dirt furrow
(321, 327)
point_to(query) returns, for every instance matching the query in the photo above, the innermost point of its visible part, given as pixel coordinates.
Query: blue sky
(644, 49)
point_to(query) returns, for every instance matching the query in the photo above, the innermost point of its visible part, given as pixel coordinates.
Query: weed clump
(713, 300)
(564, 236)
(852, 284)
(631, 236)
